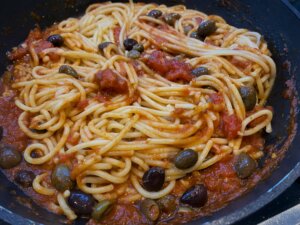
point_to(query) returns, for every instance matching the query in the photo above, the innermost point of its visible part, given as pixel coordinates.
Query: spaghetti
(112, 114)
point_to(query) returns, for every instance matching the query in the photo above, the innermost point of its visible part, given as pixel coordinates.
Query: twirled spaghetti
(116, 114)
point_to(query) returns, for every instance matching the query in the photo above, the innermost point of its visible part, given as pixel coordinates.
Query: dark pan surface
(270, 17)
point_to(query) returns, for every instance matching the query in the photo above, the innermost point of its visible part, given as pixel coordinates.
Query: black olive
(68, 70)
(197, 72)
(38, 131)
(186, 159)
(24, 178)
(138, 47)
(244, 165)
(187, 29)
(129, 43)
(155, 13)
(150, 209)
(61, 178)
(196, 196)
(9, 157)
(36, 154)
(103, 45)
(1, 133)
(195, 35)
(248, 94)
(171, 18)
(154, 178)
(206, 28)
(134, 54)
(102, 209)
(81, 202)
(56, 39)
(167, 203)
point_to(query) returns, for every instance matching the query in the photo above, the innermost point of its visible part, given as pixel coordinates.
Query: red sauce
(82, 104)
(116, 32)
(9, 114)
(110, 83)
(216, 98)
(42, 45)
(171, 69)
(231, 125)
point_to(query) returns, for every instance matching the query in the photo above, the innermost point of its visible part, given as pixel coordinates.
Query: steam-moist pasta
(117, 113)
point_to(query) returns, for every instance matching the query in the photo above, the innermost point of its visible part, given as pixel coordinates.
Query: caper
(171, 18)
(134, 54)
(129, 43)
(196, 196)
(155, 13)
(199, 71)
(206, 28)
(103, 45)
(101, 209)
(68, 70)
(167, 203)
(153, 179)
(56, 39)
(248, 94)
(150, 209)
(187, 29)
(244, 165)
(186, 159)
(9, 157)
(24, 178)
(138, 47)
(61, 178)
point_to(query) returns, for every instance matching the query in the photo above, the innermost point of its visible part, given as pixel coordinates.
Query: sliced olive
(187, 29)
(56, 39)
(167, 203)
(103, 45)
(196, 196)
(155, 13)
(129, 43)
(150, 209)
(138, 47)
(101, 209)
(154, 178)
(81, 202)
(68, 70)
(9, 157)
(186, 159)
(171, 18)
(38, 131)
(1, 133)
(61, 178)
(245, 165)
(36, 153)
(24, 178)
(134, 54)
(199, 71)
(248, 94)
(206, 28)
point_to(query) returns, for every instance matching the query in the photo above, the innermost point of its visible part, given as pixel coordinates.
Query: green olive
(171, 18)
(248, 94)
(206, 28)
(134, 54)
(186, 159)
(102, 209)
(150, 209)
(9, 157)
(61, 178)
(167, 203)
(244, 165)
(68, 70)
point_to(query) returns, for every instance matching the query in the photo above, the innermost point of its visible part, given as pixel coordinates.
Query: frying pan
(277, 20)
